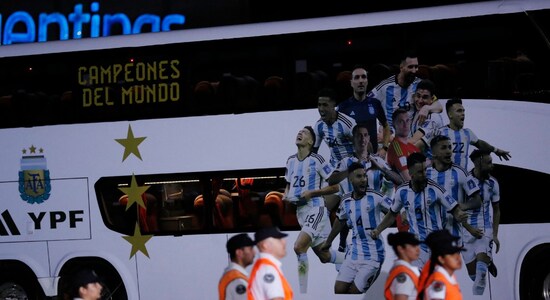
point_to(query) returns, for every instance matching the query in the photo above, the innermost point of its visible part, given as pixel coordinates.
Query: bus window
(177, 211)
(512, 179)
(147, 214)
(192, 203)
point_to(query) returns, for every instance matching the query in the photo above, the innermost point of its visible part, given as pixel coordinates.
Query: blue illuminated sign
(99, 25)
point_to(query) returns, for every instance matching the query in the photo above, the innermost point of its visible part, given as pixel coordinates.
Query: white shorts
(475, 246)
(315, 222)
(361, 272)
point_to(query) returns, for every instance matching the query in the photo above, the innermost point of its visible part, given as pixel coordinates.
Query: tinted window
(522, 195)
(190, 203)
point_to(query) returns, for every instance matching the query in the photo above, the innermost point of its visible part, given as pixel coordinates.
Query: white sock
(481, 278)
(303, 267)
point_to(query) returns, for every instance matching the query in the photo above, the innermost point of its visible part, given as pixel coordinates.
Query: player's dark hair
(426, 84)
(408, 53)
(354, 166)
(415, 158)
(438, 138)
(327, 93)
(398, 112)
(356, 127)
(312, 132)
(451, 102)
(478, 153)
(358, 66)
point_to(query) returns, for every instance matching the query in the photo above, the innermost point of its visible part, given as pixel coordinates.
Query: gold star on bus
(32, 149)
(138, 242)
(130, 144)
(134, 193)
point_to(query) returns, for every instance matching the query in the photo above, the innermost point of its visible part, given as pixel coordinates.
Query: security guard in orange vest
(267, 281)
(445, 260)
(234, 281)
(402, 282)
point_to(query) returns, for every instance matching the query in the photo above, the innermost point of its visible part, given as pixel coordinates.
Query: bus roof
(281, 27)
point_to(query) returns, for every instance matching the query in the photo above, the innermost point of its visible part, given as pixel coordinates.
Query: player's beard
(409, 78)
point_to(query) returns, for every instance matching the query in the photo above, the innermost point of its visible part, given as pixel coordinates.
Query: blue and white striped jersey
(490, 193)
(424, 209)
(337, 136)
(429, 127)
(375, 177)
(459, 184)
(363, 215)
(306, 175)
(460, 141)
(393, 96)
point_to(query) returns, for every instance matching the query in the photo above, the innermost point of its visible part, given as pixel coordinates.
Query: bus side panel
(188, 266)
(191, 266)
(61, 211)
(34, 255)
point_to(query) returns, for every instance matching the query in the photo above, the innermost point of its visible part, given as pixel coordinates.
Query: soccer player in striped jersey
(378, 171)
(423, 132)
(306, 173)
(334, 128)
(485, 221)
(424, 201)
(361, 211)
(462, 138)
(397, 90)
(457, 181)
(377, 168)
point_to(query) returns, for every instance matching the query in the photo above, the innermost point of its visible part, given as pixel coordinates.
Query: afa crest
(34, 176)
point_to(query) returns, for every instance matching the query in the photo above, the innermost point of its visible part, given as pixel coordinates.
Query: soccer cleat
(342, 248)
(478, 290)
(492, 268)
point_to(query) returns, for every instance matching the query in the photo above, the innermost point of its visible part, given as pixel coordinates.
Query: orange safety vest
(424, 274)
(393, 273)
(452, 291)
(264, 261)
(227, 278)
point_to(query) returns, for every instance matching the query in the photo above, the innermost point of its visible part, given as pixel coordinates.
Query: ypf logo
(34, 177)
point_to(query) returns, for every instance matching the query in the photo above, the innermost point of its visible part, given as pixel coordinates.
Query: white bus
(71, 150)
